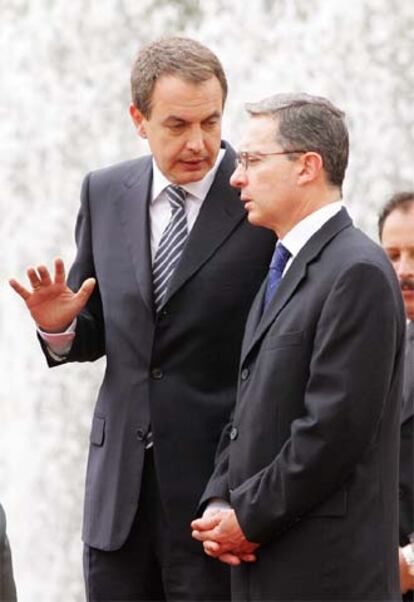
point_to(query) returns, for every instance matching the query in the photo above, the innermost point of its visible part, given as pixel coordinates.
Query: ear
(138, 119)
(310, 167)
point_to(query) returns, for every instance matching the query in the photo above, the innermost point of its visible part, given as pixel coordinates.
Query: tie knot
(176, 196)
(280, 258)
(410, 331)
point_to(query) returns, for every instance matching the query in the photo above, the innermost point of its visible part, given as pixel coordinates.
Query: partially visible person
(310, 466)
(7, 585)
(396, 233)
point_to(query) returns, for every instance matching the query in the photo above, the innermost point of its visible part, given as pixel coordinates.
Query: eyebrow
(176, 119)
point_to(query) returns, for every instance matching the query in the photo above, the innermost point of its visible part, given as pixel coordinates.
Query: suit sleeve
(352, 369)
(217, 486)
(89, 342)
(7, 586)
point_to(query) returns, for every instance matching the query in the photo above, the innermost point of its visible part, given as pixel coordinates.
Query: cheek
(212, 140)
(171, 149)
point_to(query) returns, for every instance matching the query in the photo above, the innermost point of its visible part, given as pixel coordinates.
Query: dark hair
(401, 201)
(182, 57)
(311, 123)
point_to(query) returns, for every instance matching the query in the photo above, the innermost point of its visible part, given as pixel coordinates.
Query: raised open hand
(52, 304)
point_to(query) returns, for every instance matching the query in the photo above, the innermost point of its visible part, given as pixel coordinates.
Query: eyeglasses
(244, 159)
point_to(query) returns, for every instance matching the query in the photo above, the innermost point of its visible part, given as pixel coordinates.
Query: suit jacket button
(401, 492)
(157, 373)
(141, 434)
(245, 374)
(233, 433)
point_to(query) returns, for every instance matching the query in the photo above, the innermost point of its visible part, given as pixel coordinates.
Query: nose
(195, 141)
(238, 178)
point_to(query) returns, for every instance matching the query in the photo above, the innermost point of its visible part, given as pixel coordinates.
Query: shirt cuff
(59, 344)
(216, 503)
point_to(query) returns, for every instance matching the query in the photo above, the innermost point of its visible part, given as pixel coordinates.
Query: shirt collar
(299, 235)
(198, 189)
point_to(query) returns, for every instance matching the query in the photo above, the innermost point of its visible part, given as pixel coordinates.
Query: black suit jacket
(310, 465)
(406, 490)
(7, 586)
(177, 371)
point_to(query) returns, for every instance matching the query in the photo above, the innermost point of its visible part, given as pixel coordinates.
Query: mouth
(194, 163)
(247, 202)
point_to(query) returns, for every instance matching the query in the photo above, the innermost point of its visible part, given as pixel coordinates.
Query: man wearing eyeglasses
(310, 462)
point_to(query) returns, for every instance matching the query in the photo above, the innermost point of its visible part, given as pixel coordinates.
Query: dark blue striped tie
(277, 265)
(171, 245)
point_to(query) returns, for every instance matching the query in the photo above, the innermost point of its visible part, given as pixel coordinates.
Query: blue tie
(277, 265)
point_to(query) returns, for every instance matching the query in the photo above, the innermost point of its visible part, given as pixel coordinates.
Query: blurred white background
(64, 82)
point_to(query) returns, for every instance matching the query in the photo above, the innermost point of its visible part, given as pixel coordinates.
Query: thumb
(206, 522)
(86, 290)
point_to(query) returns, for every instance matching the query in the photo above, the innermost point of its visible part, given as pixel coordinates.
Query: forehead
(398, 228)
(174, 96)
(260, 134)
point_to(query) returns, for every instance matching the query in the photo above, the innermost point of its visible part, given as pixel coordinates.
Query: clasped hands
(222, 537)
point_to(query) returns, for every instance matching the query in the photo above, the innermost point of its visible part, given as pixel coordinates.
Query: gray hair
(311, 123)
(182, 57)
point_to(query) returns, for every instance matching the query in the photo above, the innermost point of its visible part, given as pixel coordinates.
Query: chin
(254, 219)
(185, 177)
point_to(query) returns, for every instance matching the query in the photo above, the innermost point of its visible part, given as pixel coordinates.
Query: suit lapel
(220, 213)
(290, 281)
(133, 203)
(253, 319)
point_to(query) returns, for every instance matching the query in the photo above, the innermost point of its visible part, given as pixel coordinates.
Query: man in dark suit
(396, 233)
(172, 340)
(309, 468)
(7, 586)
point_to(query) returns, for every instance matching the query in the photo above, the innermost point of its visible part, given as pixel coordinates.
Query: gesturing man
(309, 466)
(166, 269)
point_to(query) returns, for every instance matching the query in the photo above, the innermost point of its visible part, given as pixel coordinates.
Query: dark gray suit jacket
(310, 463)
(7, 586)
(177, 371)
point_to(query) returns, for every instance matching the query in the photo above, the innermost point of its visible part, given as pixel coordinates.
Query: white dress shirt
(59, 344)
(160, 210)
(299, 235)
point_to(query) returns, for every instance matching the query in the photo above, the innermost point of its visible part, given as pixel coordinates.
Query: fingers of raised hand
(86, 289)
(19, 289)
(59, 271)
(44, 275)
(39, 278)
(34, 279)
